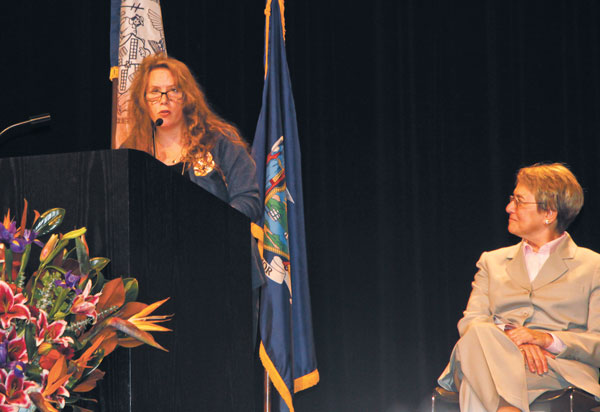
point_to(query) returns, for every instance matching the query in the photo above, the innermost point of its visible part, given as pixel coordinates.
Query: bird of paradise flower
(61, 321)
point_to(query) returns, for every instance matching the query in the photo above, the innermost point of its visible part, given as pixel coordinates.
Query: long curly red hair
(202, 123)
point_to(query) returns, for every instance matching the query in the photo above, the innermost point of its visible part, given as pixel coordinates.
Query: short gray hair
(555, 188)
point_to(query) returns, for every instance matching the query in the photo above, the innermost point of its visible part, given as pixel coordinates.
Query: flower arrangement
(58, 323)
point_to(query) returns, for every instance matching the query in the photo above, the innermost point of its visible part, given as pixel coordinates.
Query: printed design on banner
(142, 34)
(276, 251)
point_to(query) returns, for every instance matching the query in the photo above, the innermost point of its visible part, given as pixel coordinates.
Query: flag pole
(113, 125)
(267, 394)
(266, 383)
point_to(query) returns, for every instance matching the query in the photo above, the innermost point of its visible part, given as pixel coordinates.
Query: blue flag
(287, 348)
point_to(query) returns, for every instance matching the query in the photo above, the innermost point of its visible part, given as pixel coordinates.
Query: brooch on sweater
(204, 165)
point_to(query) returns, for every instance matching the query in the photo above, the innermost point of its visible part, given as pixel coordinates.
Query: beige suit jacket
(563, 299)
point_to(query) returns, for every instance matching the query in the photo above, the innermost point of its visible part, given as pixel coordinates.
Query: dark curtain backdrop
(413, 118)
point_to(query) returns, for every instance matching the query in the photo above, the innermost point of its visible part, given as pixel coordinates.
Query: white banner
(141, 34)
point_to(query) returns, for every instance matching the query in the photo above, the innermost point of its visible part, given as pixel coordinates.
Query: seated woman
(190, 137)
(532, 323)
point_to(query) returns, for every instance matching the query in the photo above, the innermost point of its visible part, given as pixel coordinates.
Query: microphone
(33, 120)
(156, 124)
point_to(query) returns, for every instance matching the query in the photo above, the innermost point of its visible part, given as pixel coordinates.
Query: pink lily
(4, 407)
(12, 348)
(51, 333)
(11, 306)
(13, 389)
(83, 304)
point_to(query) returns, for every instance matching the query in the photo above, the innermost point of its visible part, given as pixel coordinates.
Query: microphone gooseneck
(37, 119)
(155, 124)
(40, 118)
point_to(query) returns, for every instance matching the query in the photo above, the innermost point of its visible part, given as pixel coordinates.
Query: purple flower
(7, 234)
(30, 236)
(19, 368)
(3, 354)
(16, 244)
(70, 282)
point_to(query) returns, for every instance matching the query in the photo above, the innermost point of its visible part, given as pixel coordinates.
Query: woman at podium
(171, 120)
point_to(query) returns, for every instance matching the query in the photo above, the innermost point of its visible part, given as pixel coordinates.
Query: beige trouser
(491, 366)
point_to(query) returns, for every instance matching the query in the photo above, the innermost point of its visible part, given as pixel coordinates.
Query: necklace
(169, 153)
(170, 160)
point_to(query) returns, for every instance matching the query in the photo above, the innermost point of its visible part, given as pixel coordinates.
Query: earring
(547, 221)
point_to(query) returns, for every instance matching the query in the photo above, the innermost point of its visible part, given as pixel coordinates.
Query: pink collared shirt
(534, 262)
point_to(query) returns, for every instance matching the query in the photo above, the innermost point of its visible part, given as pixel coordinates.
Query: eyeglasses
(155, 96)
(519, 203)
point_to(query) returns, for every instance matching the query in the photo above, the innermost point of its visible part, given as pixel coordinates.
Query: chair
(569, 399)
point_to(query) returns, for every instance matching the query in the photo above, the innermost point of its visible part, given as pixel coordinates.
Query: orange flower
(50, 244)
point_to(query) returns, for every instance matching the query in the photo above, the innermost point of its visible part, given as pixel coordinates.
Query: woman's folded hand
(522, 335)
(535, 358)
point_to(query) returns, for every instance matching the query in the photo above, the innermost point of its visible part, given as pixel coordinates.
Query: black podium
(177, 240)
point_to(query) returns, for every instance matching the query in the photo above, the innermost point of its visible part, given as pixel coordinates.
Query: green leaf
(73, 398)
(30, 340)
(34, 373)
(99, 284)
(99, 263)
(60, 315)
(82, 257)
(24, 260)
(56, 269)
(131, 289)
(48, 221)
(8, 259)
(69, 255)
(62, 295)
